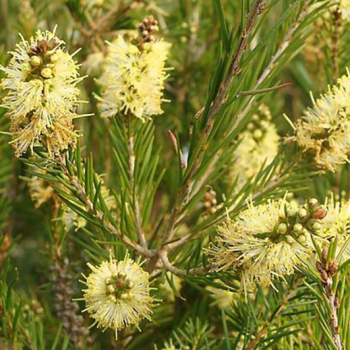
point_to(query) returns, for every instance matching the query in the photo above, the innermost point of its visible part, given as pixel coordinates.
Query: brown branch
(337, 28)
(328, 271)
(99, 215)
(184, 192)
(218, 103)
(282, 48)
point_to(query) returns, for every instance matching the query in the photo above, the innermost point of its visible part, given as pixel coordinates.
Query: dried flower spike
(42, 97)
(118, 294)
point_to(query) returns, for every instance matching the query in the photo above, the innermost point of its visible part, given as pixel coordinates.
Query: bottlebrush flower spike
(259, 144)
(324, 130)
(266, 241)
(118, 294)
(42, 97)
(133, 78)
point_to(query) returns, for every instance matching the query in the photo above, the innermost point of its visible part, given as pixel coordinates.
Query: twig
(140, 233)
(328, 271)
(99, 215)
(271, 185)
(282, 48)
(337, 28)
(220, 99)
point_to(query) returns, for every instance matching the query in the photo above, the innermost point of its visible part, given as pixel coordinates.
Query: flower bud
(112, 298)
(108, 280)
(258, 134)
(301, 239)
(121, 274)
(316, 226)
(26, 66)
(290, 239)
(282, 228)
(303, 213)
(250, 126)
(292, 212)
(320, 213)
(313, 202)
(46, 73)
(130, 284)
(298, 228)
(146, 46)
(110, 289)
(54, 58)
(124, 296)
(36, 61)
(207, 204)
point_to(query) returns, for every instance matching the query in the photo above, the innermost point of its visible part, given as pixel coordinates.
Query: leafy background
(294, 42)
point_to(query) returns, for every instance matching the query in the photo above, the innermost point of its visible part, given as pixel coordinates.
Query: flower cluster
(259, 144)
(344, 7)
(325, 128)
(133, 78)
(336, 225)
(42, 98)
(267, 241)
(117, 294)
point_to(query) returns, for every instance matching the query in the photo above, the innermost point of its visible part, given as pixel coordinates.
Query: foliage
(157, 189)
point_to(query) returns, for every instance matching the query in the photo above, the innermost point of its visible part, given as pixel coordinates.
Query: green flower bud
(301, 239)
(112, 298)
(316, 226)
(46, 73)
(110, 289)
(121, 274)
(303, 213)
(129, 284)
(54, 58)
(250, 126)
(290, 239)
(258, 134)
(124, 296)
(36, 61)
(292, 212)
(298, 228)
(282, 228)
(313, 202)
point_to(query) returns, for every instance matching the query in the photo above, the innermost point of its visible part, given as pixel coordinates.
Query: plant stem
(217, 104)
(334, 321)
(99, 215)
(140, 233)
(184, 191)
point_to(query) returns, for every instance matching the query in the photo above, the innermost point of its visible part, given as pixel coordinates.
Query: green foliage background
(285, 45)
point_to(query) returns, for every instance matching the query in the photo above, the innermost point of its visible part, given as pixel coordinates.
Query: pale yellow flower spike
(337, 224)
(259, 145)
(42, 97)
(133, 79)
(266, 241)
(118, 294)
(344, 7)
(324, 130)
